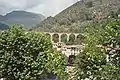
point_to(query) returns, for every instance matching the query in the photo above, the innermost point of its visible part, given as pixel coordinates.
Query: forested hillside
(82, 13)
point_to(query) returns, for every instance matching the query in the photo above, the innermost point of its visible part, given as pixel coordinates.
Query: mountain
(3, 26)
(1, 18)
(75, 17)
(27, 19)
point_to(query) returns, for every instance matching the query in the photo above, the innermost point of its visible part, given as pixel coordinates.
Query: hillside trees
(29, 56)
(101, 57)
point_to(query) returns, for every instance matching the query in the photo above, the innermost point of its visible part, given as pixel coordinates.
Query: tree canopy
(100, 59)
(29, 56)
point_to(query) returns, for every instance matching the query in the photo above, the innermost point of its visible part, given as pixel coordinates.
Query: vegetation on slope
(84, 12)
(30, 55)
(100, 59)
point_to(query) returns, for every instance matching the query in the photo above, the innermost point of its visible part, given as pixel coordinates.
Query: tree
(101, 56)
(57, 64)
(64, 38)
(71, 39)
(89, 4)
(25, 55)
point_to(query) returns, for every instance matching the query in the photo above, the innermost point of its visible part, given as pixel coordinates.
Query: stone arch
(55, 38)
(79, 39)
(49, 35)
(64, 38)
(71, 39)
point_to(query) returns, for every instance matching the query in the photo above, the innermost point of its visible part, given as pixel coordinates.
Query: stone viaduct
(60, 35)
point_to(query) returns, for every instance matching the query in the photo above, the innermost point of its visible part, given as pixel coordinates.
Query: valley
(82, 42)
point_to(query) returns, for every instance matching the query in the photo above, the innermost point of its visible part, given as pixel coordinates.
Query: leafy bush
(101, 57)
(25, 55)
(57, 64)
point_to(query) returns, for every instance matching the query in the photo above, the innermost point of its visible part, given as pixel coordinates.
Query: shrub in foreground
(24, 55)
(100, 59)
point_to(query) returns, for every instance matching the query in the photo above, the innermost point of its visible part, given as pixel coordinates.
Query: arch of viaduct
(60, 35)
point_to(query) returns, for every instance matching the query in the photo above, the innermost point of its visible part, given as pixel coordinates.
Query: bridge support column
(51, 38)
(60, 37)
(76, 36)
(68, 37)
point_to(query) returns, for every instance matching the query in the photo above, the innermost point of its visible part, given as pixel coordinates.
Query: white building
(67, 49)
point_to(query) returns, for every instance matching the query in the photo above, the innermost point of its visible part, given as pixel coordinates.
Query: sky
(45, 7)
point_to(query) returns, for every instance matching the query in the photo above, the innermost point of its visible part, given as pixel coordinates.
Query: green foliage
(57, 64)
(71, 39)
(64, 38)
(56, 38)
(101, 57)
(26, 56)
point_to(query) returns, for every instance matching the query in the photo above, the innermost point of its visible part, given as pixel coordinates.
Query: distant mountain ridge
(24, 18)
(3, 26)
(75, 17)
(1, 17)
